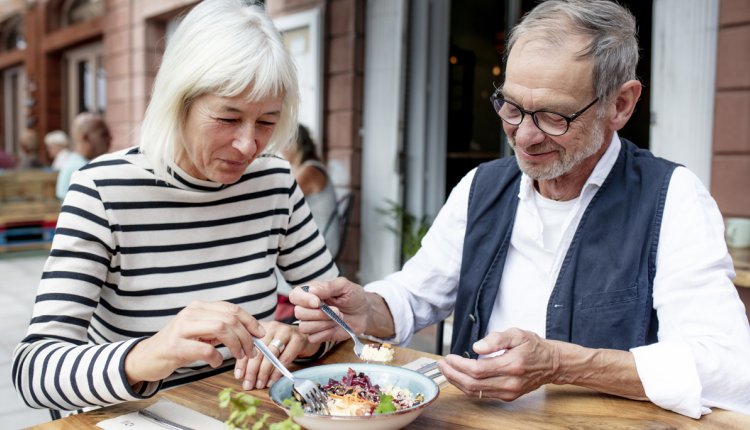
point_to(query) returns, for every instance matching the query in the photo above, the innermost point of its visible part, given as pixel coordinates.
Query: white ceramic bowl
(379, 374)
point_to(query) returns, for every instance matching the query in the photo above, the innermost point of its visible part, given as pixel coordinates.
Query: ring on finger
(480, 394)
(278, 344)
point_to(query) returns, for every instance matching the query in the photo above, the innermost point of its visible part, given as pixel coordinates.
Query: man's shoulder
(644, 155)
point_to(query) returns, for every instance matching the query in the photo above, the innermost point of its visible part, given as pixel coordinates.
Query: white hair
(57, 137)
(222, 47)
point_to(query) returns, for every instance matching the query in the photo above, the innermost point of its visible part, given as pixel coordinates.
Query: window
(14, 83)
(85, 85)
(76, 11)
(11, 34)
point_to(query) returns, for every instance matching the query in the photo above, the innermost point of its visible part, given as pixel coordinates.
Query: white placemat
(167, 409)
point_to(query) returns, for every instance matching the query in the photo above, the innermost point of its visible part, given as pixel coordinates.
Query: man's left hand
(528, 363)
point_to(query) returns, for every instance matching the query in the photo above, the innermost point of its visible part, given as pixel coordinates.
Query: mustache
(537, 148)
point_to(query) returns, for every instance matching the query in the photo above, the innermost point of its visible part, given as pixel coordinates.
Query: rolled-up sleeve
(701, 359)
(424, 291)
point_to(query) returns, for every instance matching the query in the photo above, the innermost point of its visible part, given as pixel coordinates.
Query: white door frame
(382, 135)
(683, 82)
(427, 110)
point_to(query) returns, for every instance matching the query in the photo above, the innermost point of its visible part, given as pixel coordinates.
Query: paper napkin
(434, 374)
(167, 409)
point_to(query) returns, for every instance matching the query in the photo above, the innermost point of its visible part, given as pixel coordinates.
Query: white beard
(568, 160)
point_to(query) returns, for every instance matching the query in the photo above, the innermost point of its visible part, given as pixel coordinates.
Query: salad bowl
(379, 374)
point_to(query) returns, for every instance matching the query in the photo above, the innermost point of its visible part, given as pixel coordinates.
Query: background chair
(344, 209)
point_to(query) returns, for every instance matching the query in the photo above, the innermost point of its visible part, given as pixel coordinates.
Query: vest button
(472, 318)
(466, 354)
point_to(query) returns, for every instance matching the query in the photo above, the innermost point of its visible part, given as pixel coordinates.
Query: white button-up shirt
(702, 358)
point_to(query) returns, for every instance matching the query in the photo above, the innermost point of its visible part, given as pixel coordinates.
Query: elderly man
(91, 139)
(584, 260)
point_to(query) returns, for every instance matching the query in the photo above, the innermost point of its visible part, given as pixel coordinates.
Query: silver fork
(358, 346)
(307, 390)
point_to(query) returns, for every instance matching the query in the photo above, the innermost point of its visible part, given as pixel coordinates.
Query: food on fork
(378, 352)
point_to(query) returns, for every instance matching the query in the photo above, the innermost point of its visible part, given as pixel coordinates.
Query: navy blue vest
(603, 294)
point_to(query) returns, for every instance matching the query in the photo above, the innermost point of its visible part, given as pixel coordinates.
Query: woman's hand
(286, 342)
(191, 336)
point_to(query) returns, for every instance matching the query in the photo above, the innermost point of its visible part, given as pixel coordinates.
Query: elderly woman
(162, 267)
(58, 148)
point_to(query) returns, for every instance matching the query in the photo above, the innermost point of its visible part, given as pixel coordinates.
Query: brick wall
(133, 44)
(730, 170)
(343, 112)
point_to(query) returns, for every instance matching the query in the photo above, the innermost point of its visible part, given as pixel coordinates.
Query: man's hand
(364, 312)
(530, 362)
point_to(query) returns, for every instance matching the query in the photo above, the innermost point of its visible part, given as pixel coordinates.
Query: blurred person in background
(58, 148)
(7, 161)
(28, 147)
(91, 139)
(316, 185)
(312, 177)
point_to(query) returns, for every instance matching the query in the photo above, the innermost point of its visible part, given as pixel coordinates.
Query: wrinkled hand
(346, 298)
(259, 372)
(192, 336)
(528, 363)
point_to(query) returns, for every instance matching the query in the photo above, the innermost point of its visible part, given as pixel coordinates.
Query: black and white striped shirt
(131, 251)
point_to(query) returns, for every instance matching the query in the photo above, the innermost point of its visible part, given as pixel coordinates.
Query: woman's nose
(245, 142)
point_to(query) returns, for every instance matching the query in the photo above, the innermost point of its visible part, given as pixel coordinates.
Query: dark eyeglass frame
(496, 99)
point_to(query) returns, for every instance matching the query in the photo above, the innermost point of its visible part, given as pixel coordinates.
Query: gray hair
(610, 27)
(222, 47)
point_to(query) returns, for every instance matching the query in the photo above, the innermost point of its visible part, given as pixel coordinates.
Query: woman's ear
(624, 103)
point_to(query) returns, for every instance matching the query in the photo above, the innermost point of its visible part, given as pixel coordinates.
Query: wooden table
(550, 407)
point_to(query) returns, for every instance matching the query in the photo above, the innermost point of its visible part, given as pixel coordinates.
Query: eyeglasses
(551, 123)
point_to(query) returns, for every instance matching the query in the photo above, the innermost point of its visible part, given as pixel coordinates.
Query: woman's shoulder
(311, 179)
(118, 163)
(268, 171)
(269, 161)
(315, 164)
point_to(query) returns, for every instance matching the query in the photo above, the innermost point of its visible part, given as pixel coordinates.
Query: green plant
(410, 229)
(243, 408)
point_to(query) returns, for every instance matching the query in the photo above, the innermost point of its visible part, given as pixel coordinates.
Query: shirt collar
(182, 179)
(596, 179)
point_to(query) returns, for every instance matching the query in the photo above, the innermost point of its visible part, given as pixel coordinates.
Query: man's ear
(624, 103)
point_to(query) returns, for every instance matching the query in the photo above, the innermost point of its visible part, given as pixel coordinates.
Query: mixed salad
(356, 395)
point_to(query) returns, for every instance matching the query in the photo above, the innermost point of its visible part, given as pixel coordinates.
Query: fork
(306, 389)
(358, 346)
